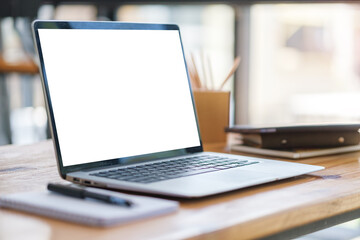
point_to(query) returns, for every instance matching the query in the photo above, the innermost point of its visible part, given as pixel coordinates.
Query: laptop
(122, 114)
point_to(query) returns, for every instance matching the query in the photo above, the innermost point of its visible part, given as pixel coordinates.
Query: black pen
(83, 193)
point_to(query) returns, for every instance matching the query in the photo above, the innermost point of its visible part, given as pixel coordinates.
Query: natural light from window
(305, 64)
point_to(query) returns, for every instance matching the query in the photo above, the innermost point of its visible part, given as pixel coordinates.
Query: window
(304, 63)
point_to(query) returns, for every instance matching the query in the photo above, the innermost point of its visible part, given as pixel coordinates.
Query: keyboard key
(160, 171)
(222, 167)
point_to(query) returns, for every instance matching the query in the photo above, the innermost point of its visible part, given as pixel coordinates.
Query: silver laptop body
(122, 115)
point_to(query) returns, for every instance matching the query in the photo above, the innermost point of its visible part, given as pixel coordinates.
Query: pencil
(211, 77)
(203, 65)
(196, 73)
(232, 71)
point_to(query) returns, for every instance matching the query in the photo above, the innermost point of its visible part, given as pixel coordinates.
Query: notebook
(321, 135)
(295, 153)
(88, 212)
(122, 114)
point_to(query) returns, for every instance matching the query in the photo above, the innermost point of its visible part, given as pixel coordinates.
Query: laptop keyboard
(160, 171)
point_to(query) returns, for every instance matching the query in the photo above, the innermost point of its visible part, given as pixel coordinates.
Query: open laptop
(122, 114)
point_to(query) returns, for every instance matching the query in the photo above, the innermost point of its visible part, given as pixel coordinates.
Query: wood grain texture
(249, 213)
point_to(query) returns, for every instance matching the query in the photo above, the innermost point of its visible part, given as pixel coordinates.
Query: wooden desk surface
(249, 213)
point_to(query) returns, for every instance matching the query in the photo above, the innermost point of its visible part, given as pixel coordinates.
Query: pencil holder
(212, 109)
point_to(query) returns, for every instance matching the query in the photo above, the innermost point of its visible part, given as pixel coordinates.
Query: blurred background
(300, 61)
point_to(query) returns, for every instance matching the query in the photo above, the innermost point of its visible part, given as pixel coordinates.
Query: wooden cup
(212, 109)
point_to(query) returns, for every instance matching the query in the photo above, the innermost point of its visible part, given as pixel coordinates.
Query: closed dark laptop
(122, 114)
(321, 135)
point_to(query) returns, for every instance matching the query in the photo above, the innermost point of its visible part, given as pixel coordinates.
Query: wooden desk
(250, 213)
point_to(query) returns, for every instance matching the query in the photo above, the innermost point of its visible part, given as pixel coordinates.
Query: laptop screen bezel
(63, 170)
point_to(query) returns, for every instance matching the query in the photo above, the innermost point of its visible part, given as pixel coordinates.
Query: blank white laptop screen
(118, 93)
